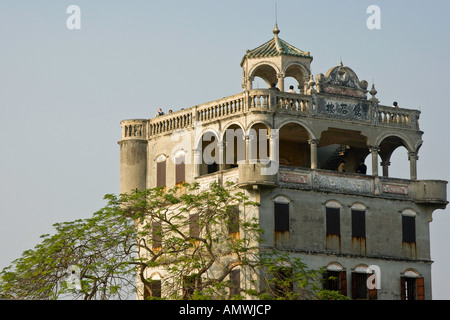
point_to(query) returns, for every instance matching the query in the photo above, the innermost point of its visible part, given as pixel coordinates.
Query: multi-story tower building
(284, 149)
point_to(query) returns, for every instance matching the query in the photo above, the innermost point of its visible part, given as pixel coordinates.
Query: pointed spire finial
(276, 31)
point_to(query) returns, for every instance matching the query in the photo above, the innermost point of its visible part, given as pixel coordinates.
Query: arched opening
(337, 145)
(259, 142)
(295, 76)
(267, 73)
(234, 146)
(294, 149)
(393, 153)
(209, 153)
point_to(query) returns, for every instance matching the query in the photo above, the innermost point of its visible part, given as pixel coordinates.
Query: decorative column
(413, 157)
(313, 143)
(385, 164)
(197, 161)
(250, 149)
(273, 145)
(222, 146)
(374, 151)
(280, 77)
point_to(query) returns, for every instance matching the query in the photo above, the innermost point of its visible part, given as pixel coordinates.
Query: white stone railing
(254, 101)
(134, 129)
(397, 117)
(220, 108)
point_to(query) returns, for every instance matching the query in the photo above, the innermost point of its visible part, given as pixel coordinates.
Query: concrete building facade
(284, 149)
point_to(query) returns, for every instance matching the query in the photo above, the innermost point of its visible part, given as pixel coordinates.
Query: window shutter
(281, 216)
(156, 235)
(373, 295)
(233, 223)
(161, 174)
(179, 170)
(403, 288)
(420, 289)
(194, 230)
(343, 276)
(235, 281)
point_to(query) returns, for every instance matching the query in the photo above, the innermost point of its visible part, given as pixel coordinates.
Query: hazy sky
(64, 92)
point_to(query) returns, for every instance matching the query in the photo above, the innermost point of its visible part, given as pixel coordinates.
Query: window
(358, 224)
(409, 228)
(153, 287)
(333, 223)
(335, 279)
(156, 235)
(235, 282)
(412, 286)
(190, 283)
(281, 216)
(233, 222)
(360, 291)
(161, 173)
(179, 170)
(283, 283)
(194, 230)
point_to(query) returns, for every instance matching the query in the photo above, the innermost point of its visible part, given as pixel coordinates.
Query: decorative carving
(344, 184)
(342, 81)
(294, 178)
(347, 110)
(395, 188)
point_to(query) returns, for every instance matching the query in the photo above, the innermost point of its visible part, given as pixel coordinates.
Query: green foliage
(197, 236)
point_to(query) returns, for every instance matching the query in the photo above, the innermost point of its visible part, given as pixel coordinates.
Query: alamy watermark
(73, 22)
(236, 146)
(374, 20)
(374, 280)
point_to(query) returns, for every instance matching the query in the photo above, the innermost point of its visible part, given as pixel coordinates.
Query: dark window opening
(335, 281)
(358, 224)
(281, 216)
(333, 223)
(190, 284)
(409, 228)
(283, 282)
(155, 289)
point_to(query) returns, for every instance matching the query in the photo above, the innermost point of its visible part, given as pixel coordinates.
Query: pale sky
(64, 92)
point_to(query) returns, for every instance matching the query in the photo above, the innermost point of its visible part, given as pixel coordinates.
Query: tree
(198, 239)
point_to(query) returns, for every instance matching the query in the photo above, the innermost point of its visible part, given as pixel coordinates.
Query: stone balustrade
(397, 117)
(266, 100)
(134, 129)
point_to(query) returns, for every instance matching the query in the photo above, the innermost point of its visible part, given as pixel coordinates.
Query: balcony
(356, 110)
(248, 176)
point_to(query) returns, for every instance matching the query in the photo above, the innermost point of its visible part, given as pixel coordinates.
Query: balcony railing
(267, 100)
(431, 192)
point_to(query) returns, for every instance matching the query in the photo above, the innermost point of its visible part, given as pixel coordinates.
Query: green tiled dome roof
(275, 47)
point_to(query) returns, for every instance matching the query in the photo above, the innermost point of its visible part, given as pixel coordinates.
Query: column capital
(313, 141)
(374, 149)
(413, 155)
